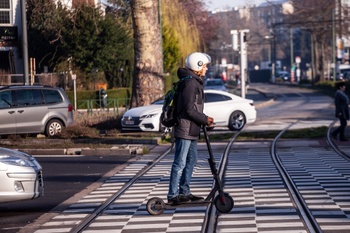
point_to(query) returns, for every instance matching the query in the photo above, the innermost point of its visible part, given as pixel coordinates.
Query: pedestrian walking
(187, 130)
(341, 102)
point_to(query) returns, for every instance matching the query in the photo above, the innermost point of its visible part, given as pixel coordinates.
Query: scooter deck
(187, 204)
(156, 205)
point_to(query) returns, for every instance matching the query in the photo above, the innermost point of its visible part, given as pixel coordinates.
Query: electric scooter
(222, 201)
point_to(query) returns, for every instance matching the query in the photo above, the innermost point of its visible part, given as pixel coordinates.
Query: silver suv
(34, 110)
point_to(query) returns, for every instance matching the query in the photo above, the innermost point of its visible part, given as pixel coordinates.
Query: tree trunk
(148, 82)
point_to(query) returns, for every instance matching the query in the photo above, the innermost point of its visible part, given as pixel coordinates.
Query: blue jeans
(181, 172)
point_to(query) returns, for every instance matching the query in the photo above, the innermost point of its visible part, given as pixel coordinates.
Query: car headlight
(148, 116)
(16, 161)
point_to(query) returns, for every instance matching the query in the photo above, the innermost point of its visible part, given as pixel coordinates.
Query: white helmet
(196, 61)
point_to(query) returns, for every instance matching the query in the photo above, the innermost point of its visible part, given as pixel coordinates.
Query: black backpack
(169, 115)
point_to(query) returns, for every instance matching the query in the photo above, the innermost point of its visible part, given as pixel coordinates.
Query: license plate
(129, 122)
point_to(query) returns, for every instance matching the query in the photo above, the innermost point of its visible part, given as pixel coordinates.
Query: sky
(224, 4)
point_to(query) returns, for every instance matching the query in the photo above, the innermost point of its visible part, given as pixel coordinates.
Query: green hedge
(93, 94)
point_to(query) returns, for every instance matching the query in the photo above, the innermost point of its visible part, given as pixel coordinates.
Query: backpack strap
(186, 77)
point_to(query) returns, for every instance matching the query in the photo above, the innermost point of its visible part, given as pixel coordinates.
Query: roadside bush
(79, 131)
(93, 125)
(93, 94)
(305, 81)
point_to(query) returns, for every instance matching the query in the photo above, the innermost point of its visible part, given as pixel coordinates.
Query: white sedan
(20, 175)
(228, 110)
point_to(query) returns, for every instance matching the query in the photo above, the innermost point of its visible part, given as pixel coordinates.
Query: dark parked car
(284, 75)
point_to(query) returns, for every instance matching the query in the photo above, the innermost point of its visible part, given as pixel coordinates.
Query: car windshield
(217, 82)
(159, 101)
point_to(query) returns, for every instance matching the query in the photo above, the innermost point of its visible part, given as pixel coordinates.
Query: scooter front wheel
(155, 206)
(224, 206)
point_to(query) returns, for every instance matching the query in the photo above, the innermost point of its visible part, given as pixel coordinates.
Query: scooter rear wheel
(155, 206)
(224, 207)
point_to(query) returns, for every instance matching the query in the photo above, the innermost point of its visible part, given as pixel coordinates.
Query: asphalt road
(64, 177)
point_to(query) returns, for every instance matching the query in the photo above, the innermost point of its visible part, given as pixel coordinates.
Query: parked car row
(227, 109)
(28, 109)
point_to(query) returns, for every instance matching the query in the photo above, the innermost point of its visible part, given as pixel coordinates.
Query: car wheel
(237, 120)
(53, 127)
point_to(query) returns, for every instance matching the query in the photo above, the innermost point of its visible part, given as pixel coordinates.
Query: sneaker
(178, 200)
(184, 199)
(174, 201)
(194, 198)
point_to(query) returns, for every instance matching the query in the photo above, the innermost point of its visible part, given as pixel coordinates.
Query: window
(5, 12)
(52, 96)
(211, 97)
(28, 97)
(5, 99)
(214, 82)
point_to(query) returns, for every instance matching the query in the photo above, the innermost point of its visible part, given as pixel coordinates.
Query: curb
(44, 151)
(115, 150)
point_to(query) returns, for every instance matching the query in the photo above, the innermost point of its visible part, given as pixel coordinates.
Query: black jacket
(341, 105)
(190, 106)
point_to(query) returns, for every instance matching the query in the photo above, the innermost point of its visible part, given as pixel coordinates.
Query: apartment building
(10, 34)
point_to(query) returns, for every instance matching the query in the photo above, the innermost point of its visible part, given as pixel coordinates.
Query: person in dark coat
(187, 130)
(341, 102)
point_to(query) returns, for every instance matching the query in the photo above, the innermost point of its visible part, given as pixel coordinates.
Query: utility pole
(291, 56)
(244, 56)
(340, 42)
(334, 48)
(273, 54)
(244, 61)
(24, 43)
(340, 18)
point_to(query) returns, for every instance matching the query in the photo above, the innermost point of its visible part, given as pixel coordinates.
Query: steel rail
(211, 215)
(305, 212)
(89, 219)
(332, 144)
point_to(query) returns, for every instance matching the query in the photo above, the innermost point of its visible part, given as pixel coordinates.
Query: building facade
(11, 61)
(11, 33)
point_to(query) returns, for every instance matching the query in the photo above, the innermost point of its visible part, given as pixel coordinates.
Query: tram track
(332, 144)
(98, 208)
(89, 219)
(306, 192)
(306, 213)
(308, 218)
(314, 175)
(211, 217)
